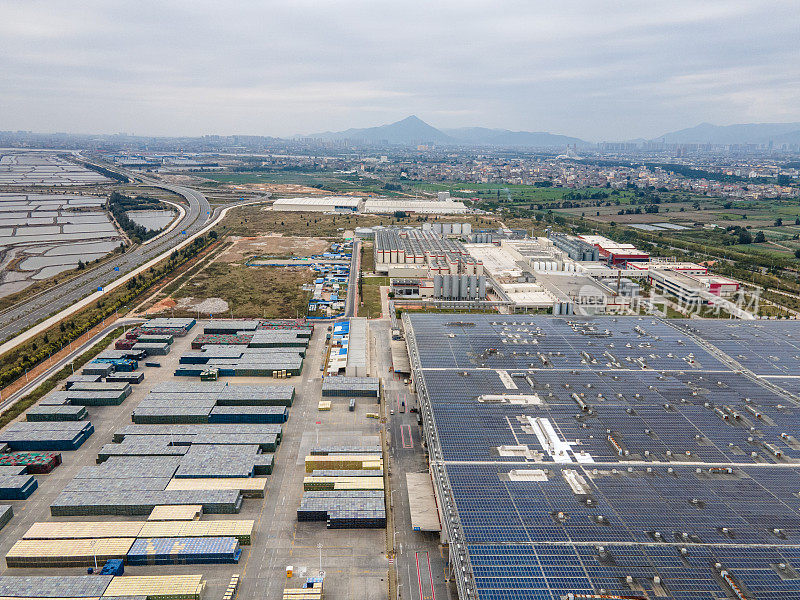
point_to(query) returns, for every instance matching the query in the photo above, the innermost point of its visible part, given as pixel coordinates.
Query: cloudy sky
(596, 69)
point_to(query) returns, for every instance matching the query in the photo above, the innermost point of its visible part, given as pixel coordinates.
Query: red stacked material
(37, 462)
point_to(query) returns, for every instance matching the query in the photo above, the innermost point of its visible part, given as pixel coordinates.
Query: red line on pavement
(419, 575)
(407, 443)
(430, 574)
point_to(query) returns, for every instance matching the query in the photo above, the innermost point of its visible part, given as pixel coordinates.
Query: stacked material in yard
(56, 435)
(250, 487)
(152, 348)
(78, 378)
(342, 510)
(6, 512)
(157, 587)
(131, 378)
(208, 339)
(176, 513)
(54, 586)
(109, 397)
(331, 450)
(248, 414)
(312, 590)
(344, 461)
(347, 473)
(32, 462)
(135, 503)
(242, 530)
(56, 413)
(176, 551)
(342, 483)
(214, 433)
(96, 368)
(17, 487)
(101, 386)
(336, 385)
(66, 553)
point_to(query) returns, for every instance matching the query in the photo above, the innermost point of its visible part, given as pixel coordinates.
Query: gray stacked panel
(347, 473)
(174, 414)
(144, 449)
(177, 429)
(324, 450)
(101, 484)
(6, 512)
(180, 387)
(100, 386)
(122, 467)
(133, 503)
(232, 326)
(56, 413)
(257, 395)
(72, 379)
(57, 398)
(60, 586)
(153, 348)
(218, 461)
(6, 470)
(102, 369)
(351, 386)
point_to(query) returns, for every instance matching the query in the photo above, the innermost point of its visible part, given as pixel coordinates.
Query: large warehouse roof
(321, 203)
(625, 457)
(447, 207)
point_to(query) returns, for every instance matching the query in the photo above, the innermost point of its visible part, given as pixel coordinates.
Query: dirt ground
(274, 245)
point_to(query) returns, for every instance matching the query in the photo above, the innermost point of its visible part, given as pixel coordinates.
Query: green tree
(760, 238)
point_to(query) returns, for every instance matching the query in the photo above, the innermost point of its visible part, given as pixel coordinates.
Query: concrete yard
(354, 560)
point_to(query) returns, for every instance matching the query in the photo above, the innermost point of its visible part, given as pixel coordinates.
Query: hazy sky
(600, 70)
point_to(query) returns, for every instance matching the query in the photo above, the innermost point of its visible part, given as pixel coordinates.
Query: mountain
(410, 131)
(745, 133)
(482, 136)
(413, 130)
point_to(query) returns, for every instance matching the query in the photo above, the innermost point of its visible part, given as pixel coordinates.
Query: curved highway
(39, 306)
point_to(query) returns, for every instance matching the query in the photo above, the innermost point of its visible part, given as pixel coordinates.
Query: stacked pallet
(31, 462)
(345, 489)
(43, 436)
(312, 590)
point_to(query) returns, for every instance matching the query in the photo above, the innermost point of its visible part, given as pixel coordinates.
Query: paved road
(76, 352)
(351, 304)
(420, 561)
(37, 307)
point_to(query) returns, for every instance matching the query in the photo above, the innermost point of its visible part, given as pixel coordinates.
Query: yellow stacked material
(373, 416)
(233, 587)
(75, 530)
(342, 483)
(312, 593)
(377, 464)
(240, 529)
(324, 405)
(67, 553)
(176, 512)
(157, 587)
(340, 461)
(252, 487)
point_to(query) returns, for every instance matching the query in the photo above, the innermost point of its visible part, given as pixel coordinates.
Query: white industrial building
(337, 204)
(426, 207)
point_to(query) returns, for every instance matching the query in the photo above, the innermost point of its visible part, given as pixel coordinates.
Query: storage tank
(466, 228)
(446, 286)
(473, 287)
(464, 287)
(482, 287)
(457, 228)
(437, 286)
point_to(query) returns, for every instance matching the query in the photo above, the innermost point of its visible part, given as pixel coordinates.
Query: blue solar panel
(645, 437)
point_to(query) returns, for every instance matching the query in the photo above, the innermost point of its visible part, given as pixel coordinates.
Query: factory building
(336, 204)
(615, 253)
(576, 248)
(408, 252)
(424, 207)
(693, 289)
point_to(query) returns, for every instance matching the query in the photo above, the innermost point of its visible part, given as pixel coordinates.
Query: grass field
(266, 292)
(328, 180)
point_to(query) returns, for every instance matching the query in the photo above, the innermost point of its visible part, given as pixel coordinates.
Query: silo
(466, 228)
(446, 286)
(463, 293)
(482, 287)
(473, 287)
(457, 228)
(437, 286)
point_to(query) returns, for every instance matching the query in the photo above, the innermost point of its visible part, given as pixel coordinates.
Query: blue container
(177, 551)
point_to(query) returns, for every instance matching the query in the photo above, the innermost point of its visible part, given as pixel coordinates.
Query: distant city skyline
(593, 70)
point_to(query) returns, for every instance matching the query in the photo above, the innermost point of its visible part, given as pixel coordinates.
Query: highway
(78, 350)
(39, 306)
